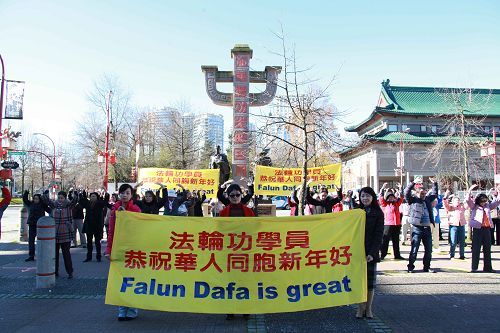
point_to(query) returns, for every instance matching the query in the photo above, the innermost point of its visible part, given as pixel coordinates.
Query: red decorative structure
(241, 99)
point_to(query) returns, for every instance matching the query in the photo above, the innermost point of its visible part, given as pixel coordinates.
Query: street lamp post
(402, 155)
(53, 163)
(494, 155)
(106, 148)
(2, 88)
(490, 149)
(53, 156)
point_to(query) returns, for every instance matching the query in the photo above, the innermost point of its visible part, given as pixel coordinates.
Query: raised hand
(227, 183)
(472, 187)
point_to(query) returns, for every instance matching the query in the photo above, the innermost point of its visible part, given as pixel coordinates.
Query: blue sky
(156, 48)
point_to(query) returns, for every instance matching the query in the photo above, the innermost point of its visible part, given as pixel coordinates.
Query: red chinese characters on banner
(340, 256)
(297, 239)
(268, 240)
(264, 262)
(135, 259)
(242, 242)
(289, 261)
(158, 260)
(211, 262)
(237, 262)
(185, 261)
(316, 258)
(182, 241)
(212, 241)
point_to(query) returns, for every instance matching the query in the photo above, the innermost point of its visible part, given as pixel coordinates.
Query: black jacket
(36, 211)
(197, 204)
(94, 218)
(77, 211)
(328, 203)
(374, 231)
(154, 206)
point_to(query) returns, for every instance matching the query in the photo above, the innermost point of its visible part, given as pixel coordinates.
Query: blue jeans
(424, 234)
(457, 234)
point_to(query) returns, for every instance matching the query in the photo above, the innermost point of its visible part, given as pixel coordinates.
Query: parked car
(281, 202)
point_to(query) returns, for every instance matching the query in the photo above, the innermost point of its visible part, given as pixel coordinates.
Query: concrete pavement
(447, 301)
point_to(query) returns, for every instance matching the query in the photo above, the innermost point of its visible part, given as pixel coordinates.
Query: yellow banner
(280, 181)
(237, 265)
(204, 179)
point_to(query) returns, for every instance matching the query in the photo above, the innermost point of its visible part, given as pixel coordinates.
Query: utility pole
(106, 148)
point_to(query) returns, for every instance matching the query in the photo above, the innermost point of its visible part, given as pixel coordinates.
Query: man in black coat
(93, 225)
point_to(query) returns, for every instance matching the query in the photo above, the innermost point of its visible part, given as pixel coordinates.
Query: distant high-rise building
(167, 116)
(209, 128)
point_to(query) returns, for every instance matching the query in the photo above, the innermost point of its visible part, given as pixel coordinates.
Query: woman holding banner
(374, 231)
(125, 203)
(236, 209)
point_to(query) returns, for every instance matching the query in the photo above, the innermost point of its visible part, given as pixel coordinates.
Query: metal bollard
(46, 252)
(23, 230)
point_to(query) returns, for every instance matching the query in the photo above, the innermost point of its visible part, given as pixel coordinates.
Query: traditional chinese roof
(421, 137)
(414, 138)
(427, 101)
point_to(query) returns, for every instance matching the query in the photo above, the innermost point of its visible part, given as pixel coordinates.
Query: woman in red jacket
(392, 222)
(6, 197)
(236, 209)
(125, 203)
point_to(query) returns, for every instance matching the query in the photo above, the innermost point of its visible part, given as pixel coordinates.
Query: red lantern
(5, 174)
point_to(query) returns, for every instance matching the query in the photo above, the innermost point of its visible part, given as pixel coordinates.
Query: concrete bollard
(23, 230)
(46, 253)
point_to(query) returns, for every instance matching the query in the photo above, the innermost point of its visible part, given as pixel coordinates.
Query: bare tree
(91, 130)
(306, 114)
(180, 138)
(463, 130)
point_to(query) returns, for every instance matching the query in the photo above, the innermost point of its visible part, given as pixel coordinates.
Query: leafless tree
(461, 135)
(306, 114)
(107, 92)
(179, 137)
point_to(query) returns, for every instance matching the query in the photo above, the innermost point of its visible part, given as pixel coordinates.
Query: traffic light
(3, 153)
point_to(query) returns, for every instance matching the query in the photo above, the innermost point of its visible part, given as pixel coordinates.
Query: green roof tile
(433, 101)
(386, 136)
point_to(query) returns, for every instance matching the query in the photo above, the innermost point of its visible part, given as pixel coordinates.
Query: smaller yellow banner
(281, 181)
(204, 179)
